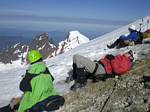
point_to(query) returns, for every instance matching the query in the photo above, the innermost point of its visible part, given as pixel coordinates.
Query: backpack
(140, 37)
(147, 34)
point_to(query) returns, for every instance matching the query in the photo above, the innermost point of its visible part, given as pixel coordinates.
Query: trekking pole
(140, 29)
(147, 23)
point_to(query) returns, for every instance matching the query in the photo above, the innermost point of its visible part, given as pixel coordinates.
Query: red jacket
(119, 65)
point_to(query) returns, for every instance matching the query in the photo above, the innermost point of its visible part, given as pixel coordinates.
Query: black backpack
(140, 37)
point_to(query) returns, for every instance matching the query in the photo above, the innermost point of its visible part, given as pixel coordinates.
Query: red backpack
(120, 64)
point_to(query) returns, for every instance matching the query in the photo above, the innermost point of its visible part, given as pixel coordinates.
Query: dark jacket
(133, 36)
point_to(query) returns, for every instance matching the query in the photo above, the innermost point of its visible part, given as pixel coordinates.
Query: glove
(110, 56)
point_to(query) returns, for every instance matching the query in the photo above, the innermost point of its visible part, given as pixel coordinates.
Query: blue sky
(30, 17)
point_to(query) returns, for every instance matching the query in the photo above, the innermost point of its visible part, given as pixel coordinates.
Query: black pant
(49, 104)
(119, 43)
(6, 109)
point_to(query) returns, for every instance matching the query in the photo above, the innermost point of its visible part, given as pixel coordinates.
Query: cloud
(54, 19)
(24, 21)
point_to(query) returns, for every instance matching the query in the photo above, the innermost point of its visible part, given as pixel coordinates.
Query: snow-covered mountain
(74, 39)
(43, 44)
(61, 64)
(18, 52)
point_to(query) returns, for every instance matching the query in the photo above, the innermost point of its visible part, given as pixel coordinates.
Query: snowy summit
(74, 39)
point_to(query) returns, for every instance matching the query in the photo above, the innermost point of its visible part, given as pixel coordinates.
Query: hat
(34, 56)
(132, 27)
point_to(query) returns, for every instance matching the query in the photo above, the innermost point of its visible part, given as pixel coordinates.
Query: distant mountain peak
(43, 36)
(74, 39)
(77, 36)
(19, 51)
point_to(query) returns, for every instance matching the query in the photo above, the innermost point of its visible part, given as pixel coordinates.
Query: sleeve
(120, 64)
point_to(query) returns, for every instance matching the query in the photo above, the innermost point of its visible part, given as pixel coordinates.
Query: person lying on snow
(134, 37)
(37, 85)
(107, 67)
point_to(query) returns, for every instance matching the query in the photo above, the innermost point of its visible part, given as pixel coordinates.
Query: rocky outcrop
(43, 44)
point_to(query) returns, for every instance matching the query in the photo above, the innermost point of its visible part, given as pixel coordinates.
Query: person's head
(129, 54)
(132, 28)
(34, 56)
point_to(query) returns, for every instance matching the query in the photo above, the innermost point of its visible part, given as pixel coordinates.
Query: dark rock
(19, 51)
(146, 80)
(42, 44)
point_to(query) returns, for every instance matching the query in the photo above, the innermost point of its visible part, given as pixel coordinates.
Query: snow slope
(61, 64)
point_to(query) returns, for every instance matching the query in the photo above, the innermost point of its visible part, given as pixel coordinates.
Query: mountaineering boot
(110, 46)
(76, 86)
(81, 79)
(113, 45)
(70, 77)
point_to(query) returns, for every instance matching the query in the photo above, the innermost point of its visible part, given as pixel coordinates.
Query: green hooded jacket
(42, 87)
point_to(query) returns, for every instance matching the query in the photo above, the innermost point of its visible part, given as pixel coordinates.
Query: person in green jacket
(37, 85)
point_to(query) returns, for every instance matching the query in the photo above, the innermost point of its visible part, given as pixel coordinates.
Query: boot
(76, 86)
(110, 46)
(81, 79)
(70, 77)
(114, 44)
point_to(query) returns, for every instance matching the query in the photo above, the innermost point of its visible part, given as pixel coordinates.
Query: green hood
(37, 68)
